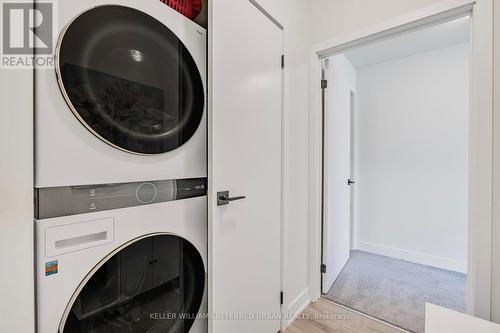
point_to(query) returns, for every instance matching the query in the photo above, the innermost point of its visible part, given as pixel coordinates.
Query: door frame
(479, 282)
(211, 198)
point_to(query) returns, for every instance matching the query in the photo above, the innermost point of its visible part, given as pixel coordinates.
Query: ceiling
(436, 37)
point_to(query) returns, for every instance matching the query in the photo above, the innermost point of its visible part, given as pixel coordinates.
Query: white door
(340, 77)
(352, 179)
(246, 158)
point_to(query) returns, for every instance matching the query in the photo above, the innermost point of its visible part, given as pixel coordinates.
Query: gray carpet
(396, 291)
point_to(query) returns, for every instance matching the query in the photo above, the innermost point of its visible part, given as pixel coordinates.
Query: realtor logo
(27, 33)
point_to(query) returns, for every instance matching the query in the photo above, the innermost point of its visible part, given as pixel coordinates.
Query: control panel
(72, 200)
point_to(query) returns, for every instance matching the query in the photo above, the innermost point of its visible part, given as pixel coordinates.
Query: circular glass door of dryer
(130, 80)
(155, 285)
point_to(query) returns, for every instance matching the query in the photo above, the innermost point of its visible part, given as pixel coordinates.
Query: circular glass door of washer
(155, 285)
(130, 80)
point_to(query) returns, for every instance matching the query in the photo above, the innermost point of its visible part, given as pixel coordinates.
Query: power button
(146, 193)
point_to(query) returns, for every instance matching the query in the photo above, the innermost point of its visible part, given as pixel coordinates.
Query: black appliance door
(130, 80)
(154, 285)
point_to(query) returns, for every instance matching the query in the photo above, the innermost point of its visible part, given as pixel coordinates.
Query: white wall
(423, 40)
(17, 298)
(333, 18)
(293, 14)
(412, 163)
(495, 304)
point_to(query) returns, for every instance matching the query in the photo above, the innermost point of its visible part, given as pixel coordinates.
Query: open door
(245, 168)
(338, 84)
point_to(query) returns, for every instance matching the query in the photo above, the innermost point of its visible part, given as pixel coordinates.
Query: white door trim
(481, 136)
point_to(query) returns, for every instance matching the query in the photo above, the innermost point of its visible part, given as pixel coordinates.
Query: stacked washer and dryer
(121, 171)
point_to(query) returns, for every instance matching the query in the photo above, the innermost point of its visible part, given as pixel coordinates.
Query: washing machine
(137, 264)
(126, 101)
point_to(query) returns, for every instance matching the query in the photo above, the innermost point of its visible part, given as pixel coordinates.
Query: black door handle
(223, 198)
(350, 182)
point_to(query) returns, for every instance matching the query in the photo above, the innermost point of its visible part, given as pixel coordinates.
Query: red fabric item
(188, 8)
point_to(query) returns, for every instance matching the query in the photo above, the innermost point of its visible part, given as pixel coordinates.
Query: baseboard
(419, 258)
(297, 306)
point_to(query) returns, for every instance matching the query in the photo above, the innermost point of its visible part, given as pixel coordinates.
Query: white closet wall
(17, 301)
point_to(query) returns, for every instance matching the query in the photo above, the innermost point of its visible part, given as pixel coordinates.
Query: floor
(396, 291)
(327, 317)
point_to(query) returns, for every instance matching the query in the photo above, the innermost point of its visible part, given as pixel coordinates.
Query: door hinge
(282, 296)
(283, 61)
(324, 84)
(323, 268)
